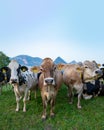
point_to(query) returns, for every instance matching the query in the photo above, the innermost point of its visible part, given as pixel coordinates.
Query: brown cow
(50, 81)
(75, 75)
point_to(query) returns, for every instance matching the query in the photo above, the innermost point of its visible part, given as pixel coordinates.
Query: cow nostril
(49, 81)
(99, 72)
(14, 80)
(96, 72)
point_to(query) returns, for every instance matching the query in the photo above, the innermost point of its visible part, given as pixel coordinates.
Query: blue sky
(71, 29)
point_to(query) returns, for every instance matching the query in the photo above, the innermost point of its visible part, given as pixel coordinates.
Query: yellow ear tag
(23, 69)
(79, 69)
(99, 65)
(4, 71)
(5, 78)
(36, 70)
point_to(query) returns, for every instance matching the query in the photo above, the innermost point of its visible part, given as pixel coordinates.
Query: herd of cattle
(86, 78)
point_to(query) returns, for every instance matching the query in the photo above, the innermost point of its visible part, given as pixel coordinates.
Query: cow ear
(24, 68)
(54, 67)
(4, 69)
(60, 66)
(99, 65)
(79, 69)
(35, 69)
(41, 69)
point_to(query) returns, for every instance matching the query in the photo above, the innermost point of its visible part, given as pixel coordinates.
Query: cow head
(102, 68)
(47, 69)
(91, 70)
(16, 72)
(15, 69)
(5, 71)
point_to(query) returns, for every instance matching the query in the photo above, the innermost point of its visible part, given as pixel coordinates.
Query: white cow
(23, 80)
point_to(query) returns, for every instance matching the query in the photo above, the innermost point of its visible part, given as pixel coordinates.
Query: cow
(4, 76)
(91, 89)
(50, 81)
(94, 88)
(74, 76)
(23, 81)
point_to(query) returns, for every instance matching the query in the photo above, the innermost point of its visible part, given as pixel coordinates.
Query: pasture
(68, 117)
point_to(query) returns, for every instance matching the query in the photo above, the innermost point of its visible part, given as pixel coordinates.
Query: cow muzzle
(49, 81)
(13, 81)
(99, 72)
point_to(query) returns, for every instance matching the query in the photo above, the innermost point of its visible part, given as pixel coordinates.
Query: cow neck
(82, 77)
(21, 78)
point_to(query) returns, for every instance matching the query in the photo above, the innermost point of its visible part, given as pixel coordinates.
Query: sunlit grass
(67, 117)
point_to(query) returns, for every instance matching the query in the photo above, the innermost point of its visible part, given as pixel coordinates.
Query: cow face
(48, 74)
(17, 73)
(15, 69)
(5, 71)
(91, 70)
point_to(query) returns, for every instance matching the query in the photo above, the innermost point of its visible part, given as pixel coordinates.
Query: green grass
(68, 117)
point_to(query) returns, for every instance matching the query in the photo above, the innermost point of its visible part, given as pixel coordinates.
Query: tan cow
(50, 81)
(75, 75)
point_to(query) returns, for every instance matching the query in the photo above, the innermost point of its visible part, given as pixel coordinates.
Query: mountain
(28, 60)
(59, 60)
(73, 62)
(33, 61)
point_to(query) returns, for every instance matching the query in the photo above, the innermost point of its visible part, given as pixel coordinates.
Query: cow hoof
(52, 115)
(70, 102)
(24, 110)
(79, 107)
(44, 118)
(17, 110)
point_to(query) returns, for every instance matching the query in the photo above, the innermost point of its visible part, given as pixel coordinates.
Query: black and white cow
(4, 76)
(23, 81)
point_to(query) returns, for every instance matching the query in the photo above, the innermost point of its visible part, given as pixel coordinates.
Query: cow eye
(86, 67)
(54, 68)
(41, 69)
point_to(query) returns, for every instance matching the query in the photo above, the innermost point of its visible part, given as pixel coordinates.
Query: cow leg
(44, 110)
(70, 91)
(25, 99)
(79, 97)
(17, 99)
(52, 103)
(29, 95)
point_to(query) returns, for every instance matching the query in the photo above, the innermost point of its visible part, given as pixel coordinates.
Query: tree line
(4, 59)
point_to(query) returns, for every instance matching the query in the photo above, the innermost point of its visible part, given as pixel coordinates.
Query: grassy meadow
(68, 117)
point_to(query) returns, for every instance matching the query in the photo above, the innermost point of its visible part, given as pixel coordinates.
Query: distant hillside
(59, 60)
(73, 62)
(34, 61)
(28, 60)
